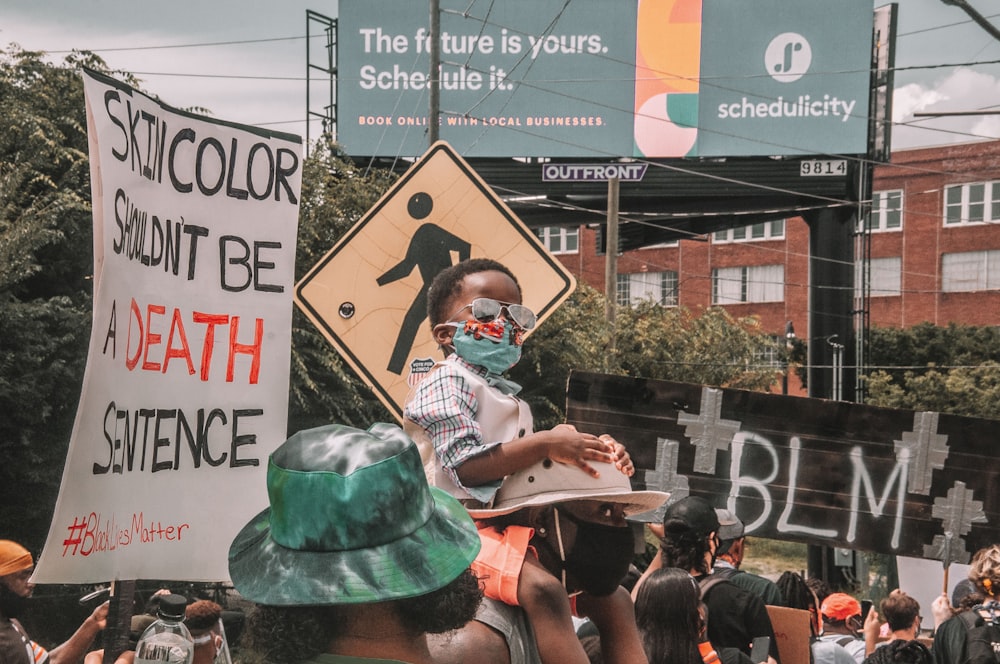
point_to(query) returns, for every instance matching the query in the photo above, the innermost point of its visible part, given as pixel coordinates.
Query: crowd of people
(466, 536)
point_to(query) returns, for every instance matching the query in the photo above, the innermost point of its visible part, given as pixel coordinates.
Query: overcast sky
(254, 71)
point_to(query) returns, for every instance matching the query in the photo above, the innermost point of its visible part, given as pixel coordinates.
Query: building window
(971, 203)
(770, 356)
(559, 239)
(756, 283)
(887, 211)
(970, 271)
(767, 230)
(660, 287)
(885, 276)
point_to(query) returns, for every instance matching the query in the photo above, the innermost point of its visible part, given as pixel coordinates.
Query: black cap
(963, 589)
(172, 606)
(690, 515)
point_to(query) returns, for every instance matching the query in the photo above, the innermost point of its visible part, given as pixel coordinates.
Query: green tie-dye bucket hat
(351, 520)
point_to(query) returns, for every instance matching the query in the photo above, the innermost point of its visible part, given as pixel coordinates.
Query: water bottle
(167, 639)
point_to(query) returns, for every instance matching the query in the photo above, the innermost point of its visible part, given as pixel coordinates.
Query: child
(473, 431)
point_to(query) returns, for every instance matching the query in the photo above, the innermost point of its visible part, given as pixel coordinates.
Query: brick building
(934, 247)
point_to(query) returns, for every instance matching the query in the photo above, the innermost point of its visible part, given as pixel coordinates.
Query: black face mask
(600, 556)
(12, 605)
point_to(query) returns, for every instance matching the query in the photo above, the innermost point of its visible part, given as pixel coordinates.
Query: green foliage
(45, 280)
(953, 369)
(667, 343)
(710, 348)
(323, 389)
(576, 336)
(971, 391)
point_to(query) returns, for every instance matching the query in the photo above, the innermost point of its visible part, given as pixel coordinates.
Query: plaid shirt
(445, 407)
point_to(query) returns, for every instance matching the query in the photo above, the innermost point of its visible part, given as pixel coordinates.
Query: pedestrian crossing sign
(368, 294)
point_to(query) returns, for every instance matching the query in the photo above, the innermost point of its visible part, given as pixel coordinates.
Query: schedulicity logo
(788, 57)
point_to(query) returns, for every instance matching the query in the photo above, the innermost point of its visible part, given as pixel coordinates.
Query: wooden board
(839, 474)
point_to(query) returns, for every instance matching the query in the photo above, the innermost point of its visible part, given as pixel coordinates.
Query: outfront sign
(657, 78)
(593, 172)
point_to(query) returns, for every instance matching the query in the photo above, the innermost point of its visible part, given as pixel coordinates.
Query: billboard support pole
(434, 82)
(611, 258)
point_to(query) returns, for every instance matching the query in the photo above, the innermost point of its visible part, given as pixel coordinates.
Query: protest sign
(832, 473)
(186, 387)
(792, 633)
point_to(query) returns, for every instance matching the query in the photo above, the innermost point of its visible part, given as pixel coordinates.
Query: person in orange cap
(842, 624)
(16, 566)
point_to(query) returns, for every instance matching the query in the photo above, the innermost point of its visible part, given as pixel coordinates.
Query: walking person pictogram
(430, 252)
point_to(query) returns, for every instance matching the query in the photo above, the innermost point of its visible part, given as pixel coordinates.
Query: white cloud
(961, 91)
(235, 82)
(911, 99)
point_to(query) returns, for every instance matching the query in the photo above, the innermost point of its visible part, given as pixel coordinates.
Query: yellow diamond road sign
(368, 295)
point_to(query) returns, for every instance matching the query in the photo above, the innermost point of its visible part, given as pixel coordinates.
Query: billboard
(646, 78)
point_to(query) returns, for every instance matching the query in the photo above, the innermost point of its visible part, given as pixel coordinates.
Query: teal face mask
(495, 346)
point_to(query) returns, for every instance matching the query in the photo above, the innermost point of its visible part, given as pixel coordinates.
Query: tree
(336, 193)
(953, 369)
(46, 268)
(709, 347)
(652, 341)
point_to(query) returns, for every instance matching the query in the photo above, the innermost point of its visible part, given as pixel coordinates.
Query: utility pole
(611, 257)
(433, 79)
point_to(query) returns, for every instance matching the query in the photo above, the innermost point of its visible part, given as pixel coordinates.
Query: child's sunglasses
(486, 309)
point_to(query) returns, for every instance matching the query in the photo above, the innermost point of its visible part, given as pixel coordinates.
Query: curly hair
(202, 614)
(666, 612)
(984, 570)
(448, 283)
(820, 587)
(290, 634)
(901, 651)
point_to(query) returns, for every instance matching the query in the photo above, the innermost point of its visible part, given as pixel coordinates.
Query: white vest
(501, 418)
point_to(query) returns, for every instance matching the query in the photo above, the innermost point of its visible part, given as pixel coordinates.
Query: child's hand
(576, 448)
(621, 457)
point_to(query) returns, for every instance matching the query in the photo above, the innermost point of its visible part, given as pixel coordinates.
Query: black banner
(917, 484)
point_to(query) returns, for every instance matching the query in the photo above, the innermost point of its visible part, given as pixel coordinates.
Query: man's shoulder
(477, 641)
(828, 652)
(761, 586)
(725, 589)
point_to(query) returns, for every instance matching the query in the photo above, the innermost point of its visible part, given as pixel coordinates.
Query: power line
(161, 47)
(298, 79)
